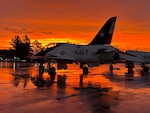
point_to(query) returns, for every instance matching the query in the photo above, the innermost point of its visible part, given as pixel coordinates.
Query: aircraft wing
(57, 58)
(129, 57)
(36, 57)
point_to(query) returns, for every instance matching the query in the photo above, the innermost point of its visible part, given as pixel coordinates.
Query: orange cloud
(75, 21)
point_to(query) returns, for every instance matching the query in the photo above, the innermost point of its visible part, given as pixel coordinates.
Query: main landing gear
(111, 68)
(39, 81)
(51, 71)
(145, 69)
(130, 66)
(85, 69)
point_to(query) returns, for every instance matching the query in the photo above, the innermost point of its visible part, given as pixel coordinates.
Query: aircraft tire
(85, 70)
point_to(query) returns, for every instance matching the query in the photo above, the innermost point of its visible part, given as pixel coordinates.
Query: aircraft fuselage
(83, 53)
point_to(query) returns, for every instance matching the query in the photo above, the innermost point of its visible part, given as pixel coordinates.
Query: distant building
(36, 47)
(6, 54)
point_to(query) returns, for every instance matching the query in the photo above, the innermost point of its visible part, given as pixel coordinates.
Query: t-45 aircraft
(98, 51)
(143, 58)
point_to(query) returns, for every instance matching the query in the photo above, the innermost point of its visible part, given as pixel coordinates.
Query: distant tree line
(21, 48)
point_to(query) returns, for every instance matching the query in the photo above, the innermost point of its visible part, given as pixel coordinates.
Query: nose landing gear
(84, 68)
(111, 67)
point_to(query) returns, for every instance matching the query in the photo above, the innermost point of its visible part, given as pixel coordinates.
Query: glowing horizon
(75, 21)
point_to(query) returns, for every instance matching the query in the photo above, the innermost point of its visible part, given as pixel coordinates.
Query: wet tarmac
(99, 92)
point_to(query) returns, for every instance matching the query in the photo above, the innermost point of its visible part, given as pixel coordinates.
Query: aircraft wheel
(52, 73)
(111, 67)
(39, 83)
(85, 70)
(130, 71)
(146, 69)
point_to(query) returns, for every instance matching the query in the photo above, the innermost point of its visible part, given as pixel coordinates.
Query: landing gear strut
(84, 68)
(111, 67)
(145, 68)
(130, 66)
(52, 73)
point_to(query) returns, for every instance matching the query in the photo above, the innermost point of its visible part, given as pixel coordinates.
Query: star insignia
(102, 34)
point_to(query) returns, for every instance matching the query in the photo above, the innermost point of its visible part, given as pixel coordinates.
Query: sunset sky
(76, 21)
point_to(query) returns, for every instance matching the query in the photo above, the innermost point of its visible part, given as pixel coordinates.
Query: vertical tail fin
(104, 36)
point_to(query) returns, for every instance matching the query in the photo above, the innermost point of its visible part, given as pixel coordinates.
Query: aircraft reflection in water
(18, 79)
(92, 92)
(40, 77)
(63, 75)
(20, 75)
(99, 90)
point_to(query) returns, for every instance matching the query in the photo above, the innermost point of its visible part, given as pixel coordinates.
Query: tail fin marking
(104, 36)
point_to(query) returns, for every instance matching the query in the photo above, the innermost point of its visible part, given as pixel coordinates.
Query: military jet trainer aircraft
(98, 51)
(142, 56)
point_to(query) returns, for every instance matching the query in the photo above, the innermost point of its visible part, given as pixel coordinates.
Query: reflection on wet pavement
(71, 92)
(17, 79)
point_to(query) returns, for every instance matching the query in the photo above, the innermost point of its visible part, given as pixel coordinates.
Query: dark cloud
(44, 32)
(18, 31)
